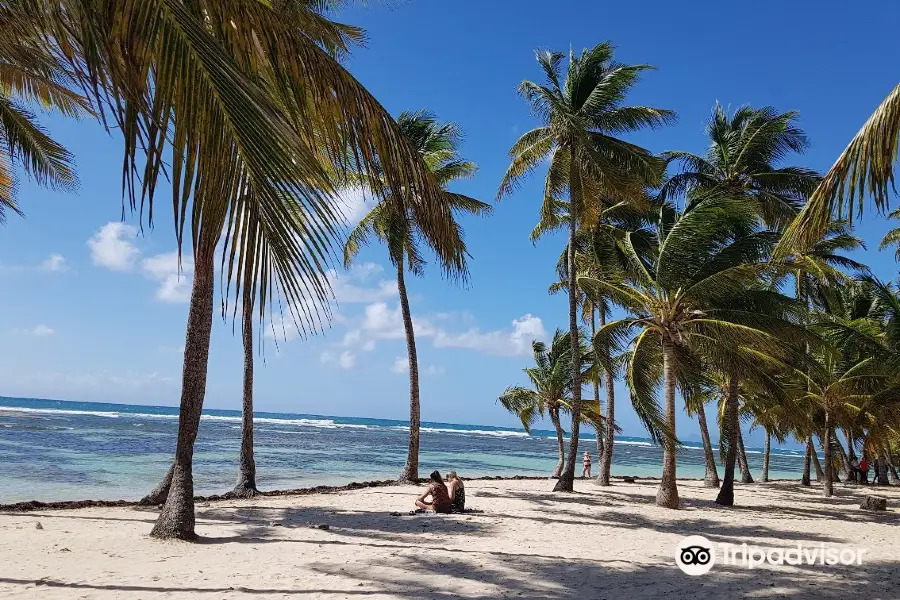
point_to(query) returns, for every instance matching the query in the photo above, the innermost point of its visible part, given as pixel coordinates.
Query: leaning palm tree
(582, 115)
(393, 221)
(698, 301)
(28, 77)
(243, 108)
(551, 391)
(865, 168)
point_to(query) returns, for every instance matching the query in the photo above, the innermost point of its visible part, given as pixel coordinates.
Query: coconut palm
(551, 391)
(743, 158)
(581, 116)
(394, 222)
(246, 483)
(892, 237)
(244, 109)
(865, 168)
(694, 403)
(697, 301)
(596, 253)
(29, 77)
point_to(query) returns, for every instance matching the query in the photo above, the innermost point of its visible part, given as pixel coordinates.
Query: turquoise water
(56, 450)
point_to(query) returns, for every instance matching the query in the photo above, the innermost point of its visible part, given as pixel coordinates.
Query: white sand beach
(528, 543)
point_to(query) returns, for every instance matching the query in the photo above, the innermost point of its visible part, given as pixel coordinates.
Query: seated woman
(457, 492)
(440, 498)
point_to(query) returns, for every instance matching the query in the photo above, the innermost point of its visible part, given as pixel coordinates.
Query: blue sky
(94, 310)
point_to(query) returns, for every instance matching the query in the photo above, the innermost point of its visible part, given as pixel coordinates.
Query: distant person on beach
(864, 471)
(440, 498)
(854, 469)
(586, 471)
(457, 492)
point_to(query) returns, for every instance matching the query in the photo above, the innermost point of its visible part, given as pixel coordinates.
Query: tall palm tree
(698, 300)
(743, 160)
(581, 116)
(246, 112)
(246, 483)
(551, 391)
(865, 168)
(28, 77)
(394, 222)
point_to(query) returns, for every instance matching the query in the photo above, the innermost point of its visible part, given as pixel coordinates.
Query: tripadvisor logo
(696, 555)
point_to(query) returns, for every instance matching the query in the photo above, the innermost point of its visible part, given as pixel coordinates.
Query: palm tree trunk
(560, 444)
(606, 463)
(667, 494)
(820, 474)
(882, 466)
(851, 453)
(246, 483)
(766, 453)
(828, 488)
(596, 382)
(566, 480)
(177, 517)
(746, 477)
(845, 460)
(729, 437)
(159, 494)
(805, 479)
(410, 472)
(712, 474)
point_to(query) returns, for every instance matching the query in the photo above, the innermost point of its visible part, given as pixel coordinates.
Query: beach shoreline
(525, 542)
(38, 505)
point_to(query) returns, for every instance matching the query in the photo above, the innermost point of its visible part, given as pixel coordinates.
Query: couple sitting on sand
(444, 500)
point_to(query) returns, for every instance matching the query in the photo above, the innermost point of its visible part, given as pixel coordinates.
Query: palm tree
(581, 115)
(865, 168)
(551, 394)
(245, 110)
(892, 237)
(29, 76)
(394, 222)
(246, 483)
(742, 158)
(699, 300)
(694, 404)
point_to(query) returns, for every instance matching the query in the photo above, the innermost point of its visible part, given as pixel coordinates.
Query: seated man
(440, 497)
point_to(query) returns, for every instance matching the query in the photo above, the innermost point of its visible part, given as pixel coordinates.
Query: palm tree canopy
(30, 76)
(864, 168)
(703, 294)
(743, 158)
(242, 106)
(581, 116)
(551, 380)
(394, 219)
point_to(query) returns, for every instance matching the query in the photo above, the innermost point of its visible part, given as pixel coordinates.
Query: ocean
(52, 450)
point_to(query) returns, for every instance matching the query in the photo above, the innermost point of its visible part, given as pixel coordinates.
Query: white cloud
(41, 331)
(401, 365)
(434, 370)
(368, 346)
(175, 283)
(347, 360)
(516, 342)
(354, 203)
(113, 247)
(354, 286)
(54, 263)
(326, 357)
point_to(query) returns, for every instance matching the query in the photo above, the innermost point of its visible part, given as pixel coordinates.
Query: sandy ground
(528, 543)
